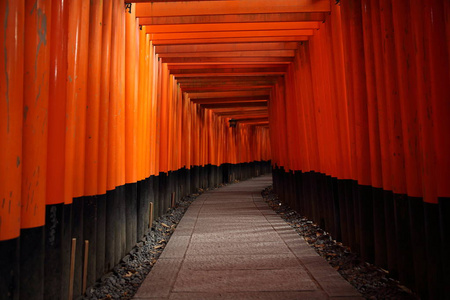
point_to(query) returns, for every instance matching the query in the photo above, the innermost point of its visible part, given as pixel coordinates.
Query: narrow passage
(231, 245)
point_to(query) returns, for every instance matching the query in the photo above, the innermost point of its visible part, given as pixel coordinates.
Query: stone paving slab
(278, 295)
(230, 245)
(244, 280)
(242, 262)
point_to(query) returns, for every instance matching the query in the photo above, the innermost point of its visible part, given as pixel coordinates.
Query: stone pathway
(231, 245)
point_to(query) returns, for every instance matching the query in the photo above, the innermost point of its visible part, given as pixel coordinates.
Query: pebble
(371, 281)
(128, 275)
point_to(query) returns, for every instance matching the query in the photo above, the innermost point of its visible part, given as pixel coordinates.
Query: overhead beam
(231, 27)
(220, 78)
(206, 84)
(150, 1)
(223, 66)
(231, 74)
(250, 119)
(228, 94)
(226, 47)
(235, 105)
(222, 60)
(177, 72)
(166, 9)
(253, 110)
(227, 88)
(229, 34)
(235, 114)
(266, 53)
(230, 99)
(182, 41)
(234, 18)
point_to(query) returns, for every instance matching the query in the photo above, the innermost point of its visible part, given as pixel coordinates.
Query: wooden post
(150, 215)
(85, 266)
(72, 267)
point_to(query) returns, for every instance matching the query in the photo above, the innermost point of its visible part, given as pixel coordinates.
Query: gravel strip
(127, 276)
(371, 281)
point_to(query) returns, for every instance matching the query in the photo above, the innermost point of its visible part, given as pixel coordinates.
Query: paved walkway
(231, 245)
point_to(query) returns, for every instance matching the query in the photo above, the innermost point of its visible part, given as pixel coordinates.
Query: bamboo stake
(72, 267)
(85, 266)
(150, 215)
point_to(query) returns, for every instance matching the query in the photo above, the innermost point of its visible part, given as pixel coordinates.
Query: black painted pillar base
(419, 254)
(54, 215)
(32, 262)
(101, 236)
(379, 228)
(110, 233)
(90, 234)
(391, 234)
(444, 216)
(434, 256)
(9, 269)
(131, 215)
(343, 210)
(367, 244)
(77, 232)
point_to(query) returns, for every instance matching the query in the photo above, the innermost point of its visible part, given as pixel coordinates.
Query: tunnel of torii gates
(107, 107)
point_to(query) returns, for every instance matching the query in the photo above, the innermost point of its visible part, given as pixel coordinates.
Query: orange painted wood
(358, 92)
(158, 114)
(120, 34)
(392, 101)
(36, 70)
(154, 119)
(131, 99)
(372, 97)
(352, 136)
(220, 78)
(225, 60)
(265, 53)
(230, 34)
(428, 158)
(228, 94)
(57, 104)
(408, 96)
(234, 105)
(225, 7)
(114, 98)
(225, 87)
(73, 42)
(223, 40)
(235, 18)
(381, 92)
(306, 87)
(207, 67)
(261, 98)
(146, 108)
(103, 128)
(11, 117)
(91, 184)
(170, 123)
(219, 71)
(179, 136)
(231, 27)
(339, 92)
(140, 108)
(226, 47)
(164, 121)
(436, 21)
(246, 74)
(81, 100)
(319, 103)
